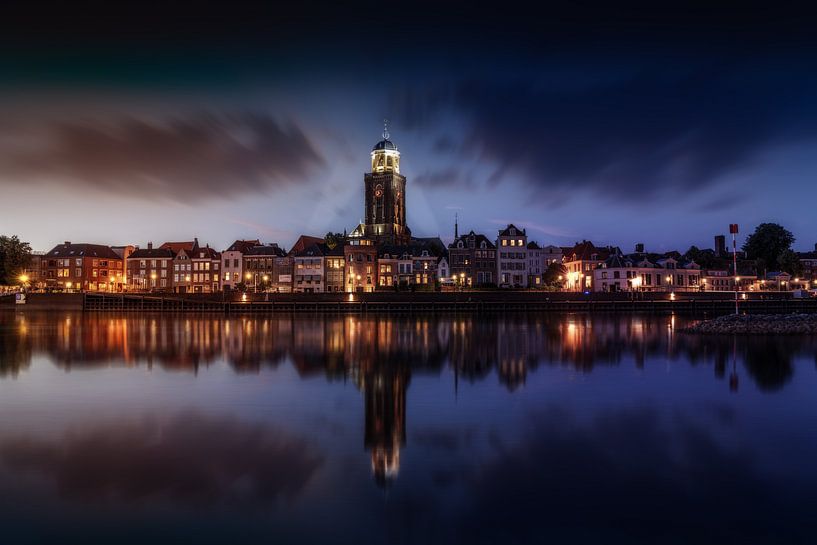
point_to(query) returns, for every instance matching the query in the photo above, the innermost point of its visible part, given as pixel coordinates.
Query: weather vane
(385, 129)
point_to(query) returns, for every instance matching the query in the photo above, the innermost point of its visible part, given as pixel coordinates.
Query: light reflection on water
(415, 429)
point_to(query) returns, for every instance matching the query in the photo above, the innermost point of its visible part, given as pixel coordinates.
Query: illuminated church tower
(384, 197)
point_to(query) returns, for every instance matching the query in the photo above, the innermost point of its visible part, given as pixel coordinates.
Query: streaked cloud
(187, 158)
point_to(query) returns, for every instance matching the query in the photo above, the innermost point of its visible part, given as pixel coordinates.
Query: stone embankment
(758, 324)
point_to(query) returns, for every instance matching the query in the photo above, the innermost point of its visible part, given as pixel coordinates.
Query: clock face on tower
(378, 192)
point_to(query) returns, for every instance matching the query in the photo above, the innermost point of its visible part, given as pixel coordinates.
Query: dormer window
(459, 244)
(482, 245)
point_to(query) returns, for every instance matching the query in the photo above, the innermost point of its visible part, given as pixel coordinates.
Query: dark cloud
(445, 178)
(185, 158)
(190, 460)
(632, 128)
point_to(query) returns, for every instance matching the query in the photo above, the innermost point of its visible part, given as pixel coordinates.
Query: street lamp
(462, 281)
(152, 281)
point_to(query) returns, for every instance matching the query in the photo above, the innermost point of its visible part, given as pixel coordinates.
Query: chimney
(150, 245)
(67, 242)
(720, 245)
(815, 246)
(639, 248)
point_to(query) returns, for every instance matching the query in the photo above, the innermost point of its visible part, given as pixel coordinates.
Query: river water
(402, 429)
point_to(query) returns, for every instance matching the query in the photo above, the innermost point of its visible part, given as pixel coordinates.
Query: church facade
(384, 199)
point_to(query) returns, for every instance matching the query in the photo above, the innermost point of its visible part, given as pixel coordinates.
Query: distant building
(643, 272)
(309, 271)
(87, 267)
(232, 263)
(443, 270)
(512, 257)
(407, 265)
(472, 259)
(580, 261)
(259, 268)
(361, 267)
(536, 265)
(334, 269)
(34, 270)
(197, 268)
(384, 198)
(150, 269)
(720, 246)
(808, 260)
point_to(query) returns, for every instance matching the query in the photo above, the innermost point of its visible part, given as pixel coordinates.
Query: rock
(757, 324)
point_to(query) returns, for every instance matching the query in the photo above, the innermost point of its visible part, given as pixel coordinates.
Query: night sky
(616, 125)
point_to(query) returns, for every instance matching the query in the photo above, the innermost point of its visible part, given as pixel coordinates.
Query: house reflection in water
(385, 395)
(379, 353)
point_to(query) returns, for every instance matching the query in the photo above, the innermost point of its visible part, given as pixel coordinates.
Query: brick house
(87, 267)
(150, 269)
(196, 269)
(361, 266)
(472, 260)
(580, 261)
(259, 267)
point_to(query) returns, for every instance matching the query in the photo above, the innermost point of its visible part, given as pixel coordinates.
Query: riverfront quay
(466, 301)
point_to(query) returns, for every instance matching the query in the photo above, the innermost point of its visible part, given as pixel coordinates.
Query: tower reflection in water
(379, 353)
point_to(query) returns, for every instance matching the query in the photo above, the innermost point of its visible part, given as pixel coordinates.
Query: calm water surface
(402, 429)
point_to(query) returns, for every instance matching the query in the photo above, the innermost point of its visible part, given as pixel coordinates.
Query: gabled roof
(533, 246)
(242, 245)
(176, 247)
(506, 232)
(313, 250)
(583, 251)
(336, 251)
(478, 239)
(775, 275)
(398, 251)
(434, 244)
(302, 242)
(197, 252)
(152, 253)
(265, 250)
(82, 250)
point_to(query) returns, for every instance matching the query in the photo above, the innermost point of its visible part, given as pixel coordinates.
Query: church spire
(456, 227)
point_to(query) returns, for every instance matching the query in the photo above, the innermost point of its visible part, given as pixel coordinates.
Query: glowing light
(23, 278)
(672, 296)
(243, 297)
(351, 297)
(248, 276)
(743, 296)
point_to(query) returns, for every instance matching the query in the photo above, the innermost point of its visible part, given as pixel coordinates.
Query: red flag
(733, 228)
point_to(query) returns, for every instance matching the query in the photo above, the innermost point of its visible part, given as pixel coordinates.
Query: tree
(768, 244)
(790, 263)
(555, 275)
(705, 258)
(14, 258)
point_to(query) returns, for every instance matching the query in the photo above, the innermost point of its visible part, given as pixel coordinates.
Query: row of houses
(472, 260)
